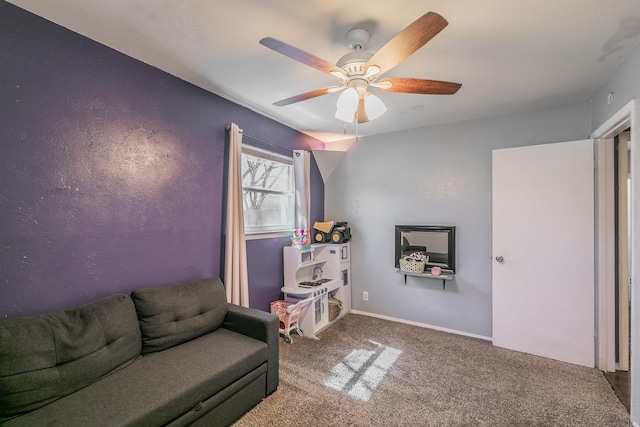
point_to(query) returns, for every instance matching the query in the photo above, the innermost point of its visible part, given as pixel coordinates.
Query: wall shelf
(426, 275)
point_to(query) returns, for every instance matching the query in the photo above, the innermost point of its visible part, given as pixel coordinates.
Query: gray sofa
(176, 355)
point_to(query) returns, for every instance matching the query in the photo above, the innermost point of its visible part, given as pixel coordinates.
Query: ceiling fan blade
(362, 114)
(300, 55)
(420, 86)
(307, 95)
(408, 41)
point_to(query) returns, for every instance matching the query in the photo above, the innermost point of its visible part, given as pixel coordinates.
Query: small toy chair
(289, 314)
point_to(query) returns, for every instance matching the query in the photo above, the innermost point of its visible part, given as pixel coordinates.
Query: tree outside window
(267, 192)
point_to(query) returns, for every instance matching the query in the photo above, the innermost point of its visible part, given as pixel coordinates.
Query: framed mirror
(437, 242)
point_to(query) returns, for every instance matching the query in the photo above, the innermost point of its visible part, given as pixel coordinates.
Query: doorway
(622, 194)
(620, 378)
(616, 246)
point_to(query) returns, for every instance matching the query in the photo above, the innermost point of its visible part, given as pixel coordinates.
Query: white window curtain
(236, 280)
(301, 166)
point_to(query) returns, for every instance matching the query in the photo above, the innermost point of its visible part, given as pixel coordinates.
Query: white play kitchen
(322, 274)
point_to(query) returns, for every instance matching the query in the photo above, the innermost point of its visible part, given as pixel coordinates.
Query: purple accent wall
(111, 173)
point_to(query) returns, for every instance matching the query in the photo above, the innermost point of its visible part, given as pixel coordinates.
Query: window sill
(257, 236)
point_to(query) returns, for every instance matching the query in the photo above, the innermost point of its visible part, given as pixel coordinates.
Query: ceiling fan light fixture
(373, 106)
(347, 105)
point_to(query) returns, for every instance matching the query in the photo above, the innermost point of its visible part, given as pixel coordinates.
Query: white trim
(257, 236)
(623, 251)
(617, 123)
(266, 231)
(422, 325)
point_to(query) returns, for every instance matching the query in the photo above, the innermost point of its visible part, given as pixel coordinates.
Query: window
(267, 191)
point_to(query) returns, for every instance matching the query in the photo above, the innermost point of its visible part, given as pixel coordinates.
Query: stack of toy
(301, 238)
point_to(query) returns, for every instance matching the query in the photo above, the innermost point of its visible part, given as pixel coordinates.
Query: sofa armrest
(262, 326)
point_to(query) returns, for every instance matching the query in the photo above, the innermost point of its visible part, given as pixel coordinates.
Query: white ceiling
(509, 55)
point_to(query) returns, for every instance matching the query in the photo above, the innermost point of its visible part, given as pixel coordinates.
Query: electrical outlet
(365, 296)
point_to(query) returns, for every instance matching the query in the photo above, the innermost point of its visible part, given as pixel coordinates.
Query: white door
(543, 250)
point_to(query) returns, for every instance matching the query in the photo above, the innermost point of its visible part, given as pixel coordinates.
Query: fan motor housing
(353, 62)
(358, 38)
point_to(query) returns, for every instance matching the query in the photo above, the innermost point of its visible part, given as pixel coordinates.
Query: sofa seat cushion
(171, 315)
(160, 387)
(45, 357)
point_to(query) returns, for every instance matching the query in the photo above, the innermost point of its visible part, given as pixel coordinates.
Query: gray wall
(437, 175)
(442, 175)
(625, 85)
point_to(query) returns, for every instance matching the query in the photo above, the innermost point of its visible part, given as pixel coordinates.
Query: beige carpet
(366, 371)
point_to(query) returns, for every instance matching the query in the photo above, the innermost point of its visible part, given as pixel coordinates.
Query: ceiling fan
(359, 70)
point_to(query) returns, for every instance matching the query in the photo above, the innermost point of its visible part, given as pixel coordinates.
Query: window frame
(258, 232)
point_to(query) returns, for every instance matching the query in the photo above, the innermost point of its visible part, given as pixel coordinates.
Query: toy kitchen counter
(321, 272)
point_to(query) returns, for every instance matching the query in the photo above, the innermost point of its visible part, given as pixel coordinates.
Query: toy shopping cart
(289, 313)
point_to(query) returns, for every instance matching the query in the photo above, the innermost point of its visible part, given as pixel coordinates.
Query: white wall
(625, 85)
(438, 175)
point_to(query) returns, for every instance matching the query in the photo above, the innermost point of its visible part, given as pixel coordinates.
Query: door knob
(499, 258)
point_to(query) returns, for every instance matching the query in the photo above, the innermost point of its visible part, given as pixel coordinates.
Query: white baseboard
(424, 325)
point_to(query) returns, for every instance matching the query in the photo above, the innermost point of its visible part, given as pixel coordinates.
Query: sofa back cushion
(171, 315)
(45, 357)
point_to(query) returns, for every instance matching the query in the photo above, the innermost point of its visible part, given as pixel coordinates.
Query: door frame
(605, 276)
(622, 246)
(625, 117)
